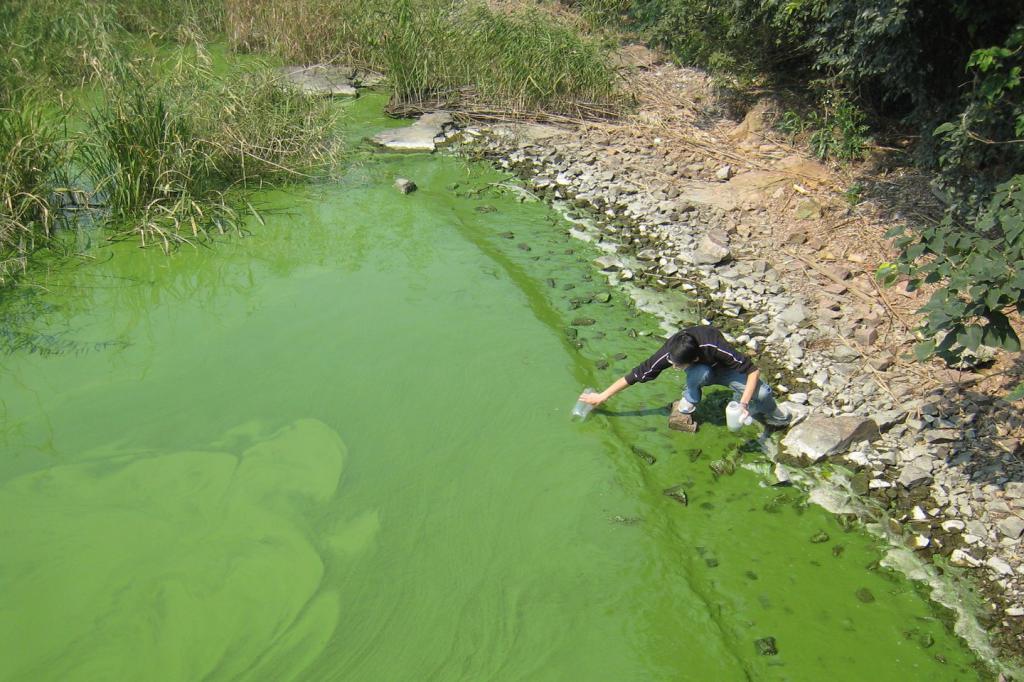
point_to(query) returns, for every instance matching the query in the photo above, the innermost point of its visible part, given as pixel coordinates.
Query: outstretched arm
(598, 398)
(748, 390)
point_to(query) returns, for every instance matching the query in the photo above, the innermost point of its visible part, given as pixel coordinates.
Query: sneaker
(685, 406)
(778, 418)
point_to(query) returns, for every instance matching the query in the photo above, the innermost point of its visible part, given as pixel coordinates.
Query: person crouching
(708, 360)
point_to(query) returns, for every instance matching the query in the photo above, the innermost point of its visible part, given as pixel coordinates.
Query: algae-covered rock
(722, 467)
(820, 537)
(865, 595)
(405, 185)
(643, 454)
(677, 493)
(680, 422)
(766, 646)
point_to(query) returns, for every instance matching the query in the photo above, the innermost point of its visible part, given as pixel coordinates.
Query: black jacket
(712, 349)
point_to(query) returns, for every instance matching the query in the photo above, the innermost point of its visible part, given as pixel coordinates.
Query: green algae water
(340, 449)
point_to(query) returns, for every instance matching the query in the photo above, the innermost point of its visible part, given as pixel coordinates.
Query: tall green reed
(172, 154)
(59, 42)
(447, 53)
(32, 168)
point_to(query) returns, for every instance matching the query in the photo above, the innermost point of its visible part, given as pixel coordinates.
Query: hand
(745, 413)
(592, 398)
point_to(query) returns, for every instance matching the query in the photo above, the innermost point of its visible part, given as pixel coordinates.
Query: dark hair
(682, 349)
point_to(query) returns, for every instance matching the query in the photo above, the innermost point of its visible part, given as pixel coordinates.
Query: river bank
(934, 457)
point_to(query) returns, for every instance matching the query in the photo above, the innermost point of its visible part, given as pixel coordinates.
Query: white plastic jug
(582, 409)
(734, 418)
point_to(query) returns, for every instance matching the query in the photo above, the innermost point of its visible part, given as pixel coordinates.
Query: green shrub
(979, 266)
(835, 131)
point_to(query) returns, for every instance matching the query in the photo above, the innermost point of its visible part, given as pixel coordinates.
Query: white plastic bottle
(734, 417)
(582, 409)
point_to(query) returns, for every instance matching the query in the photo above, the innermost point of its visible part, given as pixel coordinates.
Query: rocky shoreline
(916, 460)
(929, 469)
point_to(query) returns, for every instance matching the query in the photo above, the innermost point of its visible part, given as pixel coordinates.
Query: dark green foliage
(835, 131)
(980, 264)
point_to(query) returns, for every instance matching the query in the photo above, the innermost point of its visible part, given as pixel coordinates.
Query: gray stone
(793, 314)
(963, 559)
(724, 173)
(913, 476)
(712, 249)
(608, 262)
(941, 436)
(321, 80)
(818, 436)
(405, 185)
(889, 418)
(953, 526)
(421, 136)
(808, 209)
(866, 336)
(1012, 527)
(781, 474)
(999, 566)
(1014, 489)
(882, 361)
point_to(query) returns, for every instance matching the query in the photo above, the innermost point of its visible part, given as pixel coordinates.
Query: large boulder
(818, 437)
(421, 136)
(320, 79)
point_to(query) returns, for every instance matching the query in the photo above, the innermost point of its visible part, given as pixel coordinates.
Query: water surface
(340, 448)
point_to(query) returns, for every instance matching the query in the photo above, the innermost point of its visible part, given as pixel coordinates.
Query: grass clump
(32, 161)
(440, 53)
(528, 62)
(172, 157)
(63, 43)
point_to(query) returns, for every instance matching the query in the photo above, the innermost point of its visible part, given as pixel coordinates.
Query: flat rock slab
(681, 422)
(421, 136)
(712, 249)
(327, 81)
(912, 476)
(818, 437)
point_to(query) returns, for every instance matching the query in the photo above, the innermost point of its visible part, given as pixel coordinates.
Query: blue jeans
(699, 375)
